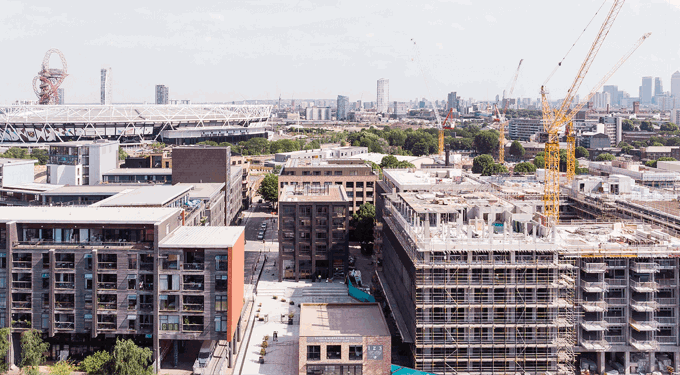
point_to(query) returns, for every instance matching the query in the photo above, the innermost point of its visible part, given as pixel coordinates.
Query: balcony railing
(644, 267)
(193, 286)
(615, 339)
(192, 327)
(21, 324)
(668, 340)
(644, 306)
(64, 285)
(594, 287)
(667, 301)
(666, 282)
(38, 242)
(64, 305)
(643, 326)
(644, 345)
(145, 326)
(64, 325)
(616, 301)
(643, 286)
(107, 306)
(21, 304)
(146, 266)
(666, 320)
(64, 265)
(107, 286)
(21, 284)
(192, 307)
(194, 266)
(107, 265)
(594, 325)
(594, 306)
(615, 319)
(595, 267)
(101, 326)
(146, 306)
(24, 265)
(615, 282)
(595, 344)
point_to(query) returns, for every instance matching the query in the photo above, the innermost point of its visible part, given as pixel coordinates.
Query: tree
(16, 153)
(481, 162)
(157, 146)
(669, 127)
(486, 142)
(4, 347)
(269, 188)
(539, 161)
(208, 143)
(130, 359)
(283, 145)
(390, 161)
(313, 145)
(122, 155)
(97, 363)
(581, 152)
(646, 126)
(605, 157)
(32, 350)
(63, 367)
(525, 168)
(40, 155)
(494, 168)
(627, 126)
(516, 149)
(364, 221)
(255, 146)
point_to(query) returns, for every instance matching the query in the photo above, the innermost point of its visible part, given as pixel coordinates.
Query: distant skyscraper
(61, 96)
(162, 94)
(646, 91)
(658, 87)
(343, 107)
(383, 95)
(452, 101)
(675, 84)
(106, 87)
(613, 94)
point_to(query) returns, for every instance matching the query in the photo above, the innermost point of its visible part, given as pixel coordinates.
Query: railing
(667, 339)
(616, 281)
(64, 305)
(644, 267)
(643, 286)
(666, 320)
(192, 327)
(667, 301)
(21, 284)
(194, 266)
(616, 301)
(595, 267)
(21, 304)
(644, 345)
(594, 325)
(107, 265)
(145, 326)
(64, 325)
(39, 242)
(193, 286)
(192, 307)
(614, 319)
(594, 305)
(64, 265)
(614, 339)
(146, 306)
(107, 286)
(21, 324)
(594, 287)
(644, 305)
(649, 325)
(102, 326)
(107, 305)
(666, 282)
(146, 266)
(595, 344)
(146, 286)
(172, 307)
(24, 265)
(64, 285)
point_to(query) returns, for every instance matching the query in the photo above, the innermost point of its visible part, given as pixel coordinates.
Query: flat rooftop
(327, 193)
(83, 143)
(342, 319)
(205, 190)
(4, 161)
(107, 189)
(155, 195)
(326, 163)
(408, 179)
(203, 237)
(87, 215)
(139, 171)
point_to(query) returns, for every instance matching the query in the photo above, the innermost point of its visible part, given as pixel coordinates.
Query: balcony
(64, 285)
(106, 326)
(594, 267)
(644, 326)
(21, 305)
(193, 304)
(595, 345)
(107, 306)
(594, 306)
(107, 286)
(616, 340)
(22, 265)
(666, 283)
(51, 244)
(667, 301)
(667, 340)
(666, 320)
(594, 287)
(644, 267)
(644, 306)
(616, 301)
(146, 306)
(616, 282)
(644, 345)
(192, 324)
(193, 266)
(65, 326)
(64, 305)
(594, 325)
(146, 266)
(644, 286)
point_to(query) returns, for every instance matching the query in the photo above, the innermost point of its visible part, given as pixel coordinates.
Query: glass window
(356, 353)
(220, 303)
(169, 322)
(328, 173)
(221, 323)
(313, 352)
(333, 352)
(221, 283)
(338, 173)
(221, 262)
(349, 185)
(360, 184)
(132, 261)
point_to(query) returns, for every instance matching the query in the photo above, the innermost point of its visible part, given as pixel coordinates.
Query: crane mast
(553, 120)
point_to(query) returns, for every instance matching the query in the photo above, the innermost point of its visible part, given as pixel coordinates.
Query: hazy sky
(236, 50)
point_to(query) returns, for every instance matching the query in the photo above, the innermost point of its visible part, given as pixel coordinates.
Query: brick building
(344, 338)
(355, 175)
(85, 275)
(313, 234)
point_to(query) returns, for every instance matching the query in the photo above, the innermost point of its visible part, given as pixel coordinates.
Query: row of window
(325, 173)
(307, 210)
(337, 236)
(349, 185)
(356, 352)
(334, 370)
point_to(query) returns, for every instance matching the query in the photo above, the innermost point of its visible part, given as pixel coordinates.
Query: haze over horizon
(262, 50)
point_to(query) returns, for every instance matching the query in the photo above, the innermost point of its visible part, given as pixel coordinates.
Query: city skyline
(260, 51)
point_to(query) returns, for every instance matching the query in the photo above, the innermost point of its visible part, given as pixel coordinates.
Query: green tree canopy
(269, 188)
(97, 363)
(525, 168)
(32, 350)
(669, 127)
(364, 221)
(539, 161)
(390, 161)
(493, 169)
(4, 347)
(283, 145)
(605, 157)
(255, 146)
(130, 359)
(481, 162)
(516, 149)
(63, 367)
(486, 142)
(581, 152)
(646, 126)
(627, 126)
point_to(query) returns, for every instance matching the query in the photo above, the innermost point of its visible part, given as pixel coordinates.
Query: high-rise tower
(105, 95)
(162, 94)
(646, 90)
(383, 101)
(675, 84)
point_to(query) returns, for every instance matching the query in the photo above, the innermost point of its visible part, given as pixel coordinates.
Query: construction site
(478, 283)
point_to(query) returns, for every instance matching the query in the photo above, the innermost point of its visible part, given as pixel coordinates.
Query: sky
(211, 51)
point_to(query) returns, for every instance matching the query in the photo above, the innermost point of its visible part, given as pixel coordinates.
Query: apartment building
(313, 232)
(321, 153)
(524, 129)
(16, 172)
(84, 275)
(355, 175)
(138, 176)
(81, 163)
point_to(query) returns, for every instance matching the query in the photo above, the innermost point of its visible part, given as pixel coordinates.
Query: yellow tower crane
(554, 119)
(502, 121)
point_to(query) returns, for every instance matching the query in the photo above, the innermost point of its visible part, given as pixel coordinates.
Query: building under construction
(477, 285)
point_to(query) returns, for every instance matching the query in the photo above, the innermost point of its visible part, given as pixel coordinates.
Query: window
(316, 173)
(369, 184)
(132, 282)
(349, 185)
(356, 353)
(328, 173)
(322, 222)
(305, 173)
(313, 352)
(305, 210)
(360, 194)
(338, 210)
(221, 262)
(321, 210)
(46, 261)
(169, 322)
(360, 184)
(45, 321)
(353, 173)
(334, 369)
(220, 323)
(221, 283)
(169, 282)
(333, 352)
(350, 194)
(132, 261)
(220, 303)
(305, 235)
(88, 281)
(338, 173)
(321, 235)
(88, 261)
